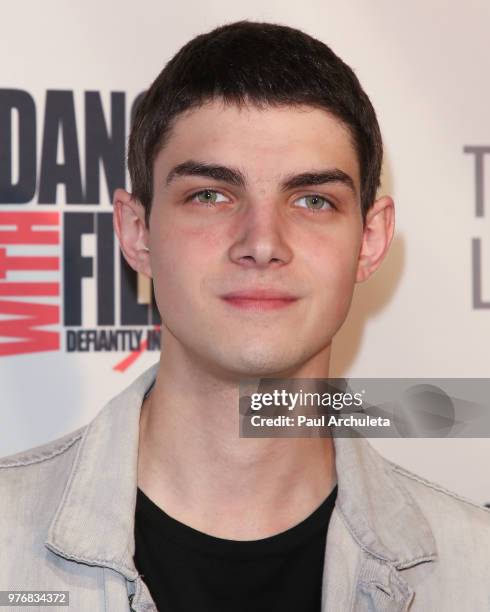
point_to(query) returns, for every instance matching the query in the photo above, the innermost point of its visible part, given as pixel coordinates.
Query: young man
(255, 158)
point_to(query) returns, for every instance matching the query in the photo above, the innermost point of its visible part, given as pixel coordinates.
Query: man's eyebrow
(214, 171)
(321, 177)
(237, 178)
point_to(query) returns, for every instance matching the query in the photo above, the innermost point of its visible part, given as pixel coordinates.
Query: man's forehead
(282, 140)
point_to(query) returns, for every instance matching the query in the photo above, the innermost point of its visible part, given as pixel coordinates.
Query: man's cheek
(171, 261)
(339, 286)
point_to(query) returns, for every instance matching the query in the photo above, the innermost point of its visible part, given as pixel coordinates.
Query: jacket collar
(380, 513)
(94, 521)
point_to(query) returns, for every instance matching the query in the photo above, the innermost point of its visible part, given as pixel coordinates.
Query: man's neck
(193, 464)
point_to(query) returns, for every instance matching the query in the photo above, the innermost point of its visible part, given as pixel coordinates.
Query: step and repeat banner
(77, 325)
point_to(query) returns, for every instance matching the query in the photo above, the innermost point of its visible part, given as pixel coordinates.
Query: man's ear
(131, 230)
(377, 237)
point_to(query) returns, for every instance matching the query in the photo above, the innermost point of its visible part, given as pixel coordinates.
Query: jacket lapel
(94, 522)
(376, 531)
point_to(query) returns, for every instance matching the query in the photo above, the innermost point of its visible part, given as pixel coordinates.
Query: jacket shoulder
(440, 502)
(43, 452)
(31, 485)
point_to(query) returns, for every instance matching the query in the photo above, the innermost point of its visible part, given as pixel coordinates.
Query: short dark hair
(259, 63)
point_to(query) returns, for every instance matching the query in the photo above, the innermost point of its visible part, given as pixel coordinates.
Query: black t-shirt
(187, 570)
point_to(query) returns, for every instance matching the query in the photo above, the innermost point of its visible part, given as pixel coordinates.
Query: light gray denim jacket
(395, 542)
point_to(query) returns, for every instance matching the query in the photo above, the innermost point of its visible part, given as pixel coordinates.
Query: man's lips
(259, 299)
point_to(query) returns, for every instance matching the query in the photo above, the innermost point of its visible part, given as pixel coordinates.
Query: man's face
(266, 232)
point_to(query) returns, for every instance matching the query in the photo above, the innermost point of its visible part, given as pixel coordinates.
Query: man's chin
(258, 365)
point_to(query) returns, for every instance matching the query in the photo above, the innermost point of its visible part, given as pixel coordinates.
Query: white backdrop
(424, 65)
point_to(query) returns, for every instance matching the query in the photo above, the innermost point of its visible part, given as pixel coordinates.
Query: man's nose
(260, 239)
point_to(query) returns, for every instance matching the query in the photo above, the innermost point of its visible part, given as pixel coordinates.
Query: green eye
(315, 202)
(207, 196)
